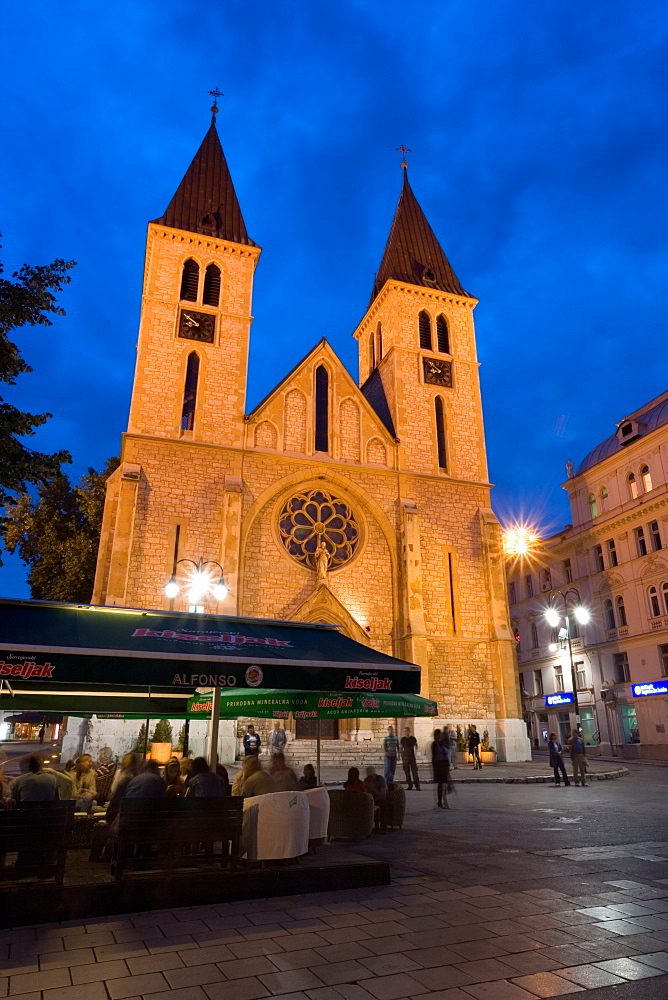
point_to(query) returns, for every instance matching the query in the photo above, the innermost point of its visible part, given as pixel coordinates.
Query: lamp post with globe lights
(554, 618)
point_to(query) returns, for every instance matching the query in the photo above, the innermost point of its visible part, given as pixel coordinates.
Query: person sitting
(105, 763)
(148, 784)
(186, 765)
(353, 783)
(35, 785)
(204, 784)
(130, 764)
(65, 783)
(376, 785)
(221, 771)
(308, 779)
(284, 777)
(83, 779)
(255, 780)
(173, 783)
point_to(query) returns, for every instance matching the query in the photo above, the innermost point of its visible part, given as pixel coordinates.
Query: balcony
(658, 623)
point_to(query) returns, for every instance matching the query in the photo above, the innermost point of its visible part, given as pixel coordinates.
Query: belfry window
(211, 295)
(190, 281)
(190, 392)
(372, 352)
(321, 409)
(424, 324)
(442, 335)
(440, 433)
(379, 343)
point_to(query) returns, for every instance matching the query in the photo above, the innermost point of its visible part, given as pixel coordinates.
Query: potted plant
(487, 752)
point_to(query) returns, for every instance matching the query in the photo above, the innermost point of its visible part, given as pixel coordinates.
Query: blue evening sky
(539, 154)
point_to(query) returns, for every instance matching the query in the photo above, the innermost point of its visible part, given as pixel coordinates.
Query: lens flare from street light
(519, 541)
(172, 589)
(552, 617)
(582, 615)
(220, 591)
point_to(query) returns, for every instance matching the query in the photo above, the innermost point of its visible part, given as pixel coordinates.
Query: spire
(205, 200)
(413, 254)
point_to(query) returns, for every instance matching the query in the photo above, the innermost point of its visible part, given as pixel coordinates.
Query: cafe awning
(313, 705)
(47, 647)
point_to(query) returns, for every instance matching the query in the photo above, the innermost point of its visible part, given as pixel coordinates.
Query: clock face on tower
(437, 372)
(197, 326)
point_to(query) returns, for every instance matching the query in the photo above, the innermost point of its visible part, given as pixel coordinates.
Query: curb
(542, 779)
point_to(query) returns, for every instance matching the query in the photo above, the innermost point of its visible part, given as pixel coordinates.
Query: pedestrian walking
(474, 748)
(440, 762)
(578, 754)
(42, 730)
(407, 747)
(390, 747)
(252, 742)
(278, 739)
(557, 759)
(450, 735)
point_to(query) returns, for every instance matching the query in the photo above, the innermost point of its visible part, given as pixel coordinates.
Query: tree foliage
(25, 300)
(57, 534)
(162, 732)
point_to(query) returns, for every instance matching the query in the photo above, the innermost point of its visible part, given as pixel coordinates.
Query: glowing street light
(553, 618)
(200, 581)
(519, 541)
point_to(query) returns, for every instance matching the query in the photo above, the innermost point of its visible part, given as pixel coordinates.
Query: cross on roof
(215, 93)
(403, 150)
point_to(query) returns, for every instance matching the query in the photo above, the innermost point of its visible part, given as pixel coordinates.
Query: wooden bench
(39, 833)
(177, 832)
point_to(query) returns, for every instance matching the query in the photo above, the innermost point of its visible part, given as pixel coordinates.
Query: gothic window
(442, 337)
(609, 615)
(379, 343)
(621, 612)
(440, 433)
(372, 352)
(190, 393)
(211, 286)
(633, 486)
(646, 477)
(316, 516)
(593, 507)
(424, 322)
(321, 409)
(190, 281)
(654, 609)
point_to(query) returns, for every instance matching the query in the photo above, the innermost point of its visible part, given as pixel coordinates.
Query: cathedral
(361, 504)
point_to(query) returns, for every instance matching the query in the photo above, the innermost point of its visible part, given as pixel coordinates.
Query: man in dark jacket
(407, 747)
(252, 743)
(474, 748)
(440, 761)
(556, 759)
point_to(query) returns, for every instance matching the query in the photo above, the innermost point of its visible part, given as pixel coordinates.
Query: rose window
(317, 516)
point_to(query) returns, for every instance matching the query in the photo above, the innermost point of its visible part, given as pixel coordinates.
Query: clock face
(437, 372)
(197, 326)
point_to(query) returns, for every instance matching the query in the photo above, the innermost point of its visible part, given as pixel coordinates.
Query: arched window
(609, 614)
(379, 343)
(190, 392)
(621, 612)
(211, 295)
(424, 321)
(190, 281)
(372, 352)
(442, 336)
(321, 409)
(593, 506)
(646, 477)
(654, 608)
(603, 498)
(440, 433)
(534, 636)
(633, 486)
(664, 591)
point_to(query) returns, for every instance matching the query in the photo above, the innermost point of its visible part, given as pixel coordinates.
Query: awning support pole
(317, 748)
(213, 729)
(148, 725)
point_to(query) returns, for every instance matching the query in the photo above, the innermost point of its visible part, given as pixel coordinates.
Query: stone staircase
(337, 753)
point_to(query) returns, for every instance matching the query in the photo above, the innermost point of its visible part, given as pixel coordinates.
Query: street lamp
(200, 582)
(554, 619)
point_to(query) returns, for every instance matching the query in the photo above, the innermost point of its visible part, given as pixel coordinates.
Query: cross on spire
(403, 150)
(215, 93)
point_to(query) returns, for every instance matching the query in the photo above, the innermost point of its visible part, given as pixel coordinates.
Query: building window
(372, 352)
(580, 676)
(609, 613)
(588, 724)
(424, 322)
(534, 636)
(621, 612)
(190, 393)
(663, 660)
(664, 591)
(440, 433)
(629, 724)
(641, 541)
(654, 609)
(603, 496)
(646, 477)
(656, 535)
(442, 336)
(512, 592)
(593, 507)
(612, 552)
(529, 586)
(379, 343)
(211, 296)
(599, 565)
(620, 662)
(321, 409)
(568, 572)
(558, 679)
(633, 486)
(538, 681)
(523, 686)
(190, 281)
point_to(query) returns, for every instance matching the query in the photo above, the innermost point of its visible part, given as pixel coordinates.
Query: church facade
(365, 505)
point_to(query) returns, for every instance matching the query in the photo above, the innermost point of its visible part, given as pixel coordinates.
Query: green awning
(312, 705)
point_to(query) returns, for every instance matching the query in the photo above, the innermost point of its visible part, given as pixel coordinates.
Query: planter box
(486, 756)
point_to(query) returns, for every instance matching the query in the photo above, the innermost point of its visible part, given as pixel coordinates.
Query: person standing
(278, 739)
(557, 759)
(440, 762)
(408, 746)
(390, 747)
(451, 737)
(42, 730)
(252, 743)
(474, 748)
(577, 751)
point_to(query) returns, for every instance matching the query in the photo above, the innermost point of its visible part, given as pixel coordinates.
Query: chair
(396, 805)
(318, 803)
(276, 826)
(39, 833)
(350, 816)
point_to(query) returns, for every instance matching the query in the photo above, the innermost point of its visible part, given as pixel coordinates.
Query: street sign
(652, 687)
(562, 698)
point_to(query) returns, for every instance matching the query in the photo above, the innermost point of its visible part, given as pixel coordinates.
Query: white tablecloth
(275, 826)
(318, 802)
